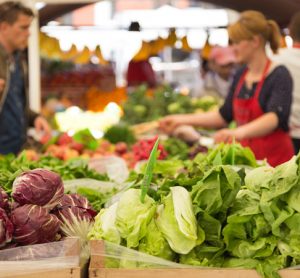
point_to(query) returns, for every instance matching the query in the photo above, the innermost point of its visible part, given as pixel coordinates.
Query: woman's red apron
(277, 146)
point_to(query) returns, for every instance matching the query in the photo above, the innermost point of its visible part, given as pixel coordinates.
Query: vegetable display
(221, 209)
(11, 167)
(216, 215)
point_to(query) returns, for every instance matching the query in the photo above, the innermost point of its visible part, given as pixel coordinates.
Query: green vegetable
(139, 110)
(105, 227)
(231, 154)
(141, 107)
(166, 167)
(259, 178)
(154, 243)
(240, 263)
(149, 171)
(204, 255)
(174, 108)
(133, 216)
(120, 133)
(95, 198)
(279, 197)
(177, 222)
(217, 190)
(205, 103)
(176, 148)
(86, 138)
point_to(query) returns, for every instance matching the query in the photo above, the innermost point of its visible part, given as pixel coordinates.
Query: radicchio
(6, 228)
(38, 187)
(76, 205)
(34, 224)
(4, 203)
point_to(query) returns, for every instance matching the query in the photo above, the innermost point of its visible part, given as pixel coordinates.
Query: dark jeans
(296, 143)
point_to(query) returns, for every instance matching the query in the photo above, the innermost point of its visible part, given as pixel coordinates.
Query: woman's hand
(169, 123)
(259, 127)
(228, 135)
(212, 119)
(186, 133)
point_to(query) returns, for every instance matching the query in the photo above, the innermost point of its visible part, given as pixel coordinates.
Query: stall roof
(53, 11)
(279, 10)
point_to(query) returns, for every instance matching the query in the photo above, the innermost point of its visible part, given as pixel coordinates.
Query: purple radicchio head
(74, 205)
(34, 224)
(4, 202)
(38, 187)
(6, 228)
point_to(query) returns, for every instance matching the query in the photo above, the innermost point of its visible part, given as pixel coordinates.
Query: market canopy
(279, 10)
(53, 11)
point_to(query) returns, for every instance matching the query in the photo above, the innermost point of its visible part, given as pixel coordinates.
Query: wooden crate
(70, 272)
(97, 270)
(61, 273)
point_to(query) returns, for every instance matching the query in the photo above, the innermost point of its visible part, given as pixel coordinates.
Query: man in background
(15, 115)
(290, 57)
(221, 68)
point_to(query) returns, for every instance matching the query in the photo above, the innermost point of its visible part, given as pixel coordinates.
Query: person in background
(204, 56)
(221, 64)
(140, 71)
(15, 115)
(290, 57)
(259, 99)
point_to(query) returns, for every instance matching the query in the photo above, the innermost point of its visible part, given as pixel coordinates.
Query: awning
(53, 11)
(279, 10)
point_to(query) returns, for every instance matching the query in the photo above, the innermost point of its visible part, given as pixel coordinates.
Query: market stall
(110, 194)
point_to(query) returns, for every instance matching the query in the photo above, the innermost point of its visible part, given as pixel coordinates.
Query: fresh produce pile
(120, 133)
(142, 107)
(67, 76)
(36, 209)
(210, 213)
(118, 140)
(11, 167)
(142, 149)
(82, 145)
(220, 209)
(176, 148)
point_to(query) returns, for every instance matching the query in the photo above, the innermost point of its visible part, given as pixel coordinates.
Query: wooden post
(34, 61)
